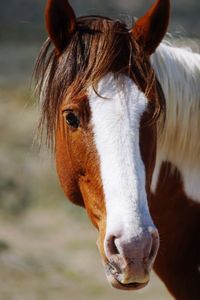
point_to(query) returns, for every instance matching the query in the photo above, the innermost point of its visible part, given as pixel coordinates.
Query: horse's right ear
(60, 23)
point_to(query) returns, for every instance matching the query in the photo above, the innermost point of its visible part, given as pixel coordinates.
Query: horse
(121, 112)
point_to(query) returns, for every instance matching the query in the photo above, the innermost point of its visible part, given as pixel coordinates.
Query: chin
(115, 282)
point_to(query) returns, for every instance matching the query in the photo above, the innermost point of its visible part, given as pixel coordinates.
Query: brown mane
(99, 46)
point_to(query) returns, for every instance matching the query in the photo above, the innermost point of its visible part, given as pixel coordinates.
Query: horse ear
(60, 23)
(150, 29)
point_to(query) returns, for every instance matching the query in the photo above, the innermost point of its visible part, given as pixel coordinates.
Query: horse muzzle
(129, 261)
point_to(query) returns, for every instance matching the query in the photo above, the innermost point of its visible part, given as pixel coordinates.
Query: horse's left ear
(60, 23)
(150, 29)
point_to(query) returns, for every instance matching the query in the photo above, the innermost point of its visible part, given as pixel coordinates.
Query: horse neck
(178, 71)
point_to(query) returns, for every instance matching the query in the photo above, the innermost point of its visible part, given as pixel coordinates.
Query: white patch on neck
(116, 123)
(178, 71)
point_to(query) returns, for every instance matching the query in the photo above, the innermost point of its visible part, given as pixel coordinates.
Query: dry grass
(52, 255)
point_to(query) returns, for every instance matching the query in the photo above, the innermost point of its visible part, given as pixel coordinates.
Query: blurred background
(47, 246)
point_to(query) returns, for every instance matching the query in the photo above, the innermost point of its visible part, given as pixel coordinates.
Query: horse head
(101, 101)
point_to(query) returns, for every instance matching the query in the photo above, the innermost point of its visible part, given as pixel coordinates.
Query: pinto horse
(122, 110)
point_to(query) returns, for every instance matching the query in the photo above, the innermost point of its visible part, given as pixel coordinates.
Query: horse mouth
(113, 279)
(131, 286)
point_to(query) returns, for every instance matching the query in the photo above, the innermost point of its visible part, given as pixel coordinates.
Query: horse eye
(72, 120)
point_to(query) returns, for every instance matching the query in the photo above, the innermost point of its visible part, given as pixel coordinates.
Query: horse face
(105, 158)
(131, 240)
(105, 153)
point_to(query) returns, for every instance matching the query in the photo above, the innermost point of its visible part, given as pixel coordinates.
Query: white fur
(116, 122)
(178, 71)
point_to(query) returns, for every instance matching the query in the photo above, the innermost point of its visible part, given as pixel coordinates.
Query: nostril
(152, 252)
(155, 243)
(110, 246)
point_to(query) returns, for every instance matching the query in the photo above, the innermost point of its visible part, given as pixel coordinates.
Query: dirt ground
(51, 254)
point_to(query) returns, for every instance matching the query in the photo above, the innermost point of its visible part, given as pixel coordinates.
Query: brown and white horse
(123, 114)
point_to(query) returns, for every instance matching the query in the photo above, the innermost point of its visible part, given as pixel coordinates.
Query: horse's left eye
(72, 120)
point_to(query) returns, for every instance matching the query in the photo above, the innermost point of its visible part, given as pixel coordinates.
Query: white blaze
(116, 124)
